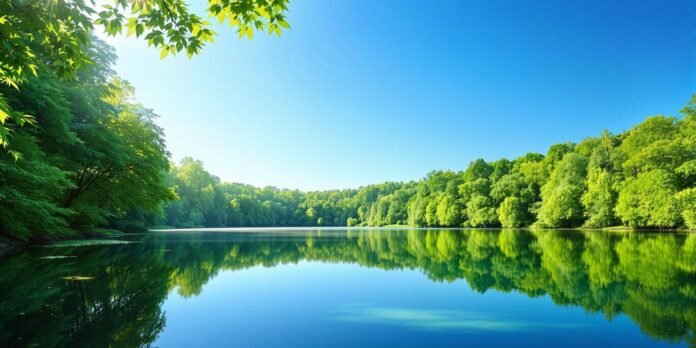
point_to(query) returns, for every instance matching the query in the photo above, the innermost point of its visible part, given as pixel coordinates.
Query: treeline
(203, 200)
(85, 155)
(79, 152)
(642, 178)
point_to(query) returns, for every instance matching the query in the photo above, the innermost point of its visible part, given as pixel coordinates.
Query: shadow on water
(112, 294)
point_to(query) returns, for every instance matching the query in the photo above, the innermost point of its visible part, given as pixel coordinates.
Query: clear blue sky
(366, 91)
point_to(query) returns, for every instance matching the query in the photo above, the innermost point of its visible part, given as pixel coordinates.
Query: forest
(644, 177)
(91, 156)
(79, 152)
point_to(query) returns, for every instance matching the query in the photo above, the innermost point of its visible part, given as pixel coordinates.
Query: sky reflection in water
(338, 287)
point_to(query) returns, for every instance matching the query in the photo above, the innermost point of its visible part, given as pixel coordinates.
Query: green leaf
(4, 116)
(221, 16)
(4, 136)
(131, 30)
(15, 154)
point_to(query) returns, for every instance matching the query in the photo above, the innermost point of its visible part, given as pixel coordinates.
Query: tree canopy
(81, 152)
(95, 157)
(643, 178)
(59, 34)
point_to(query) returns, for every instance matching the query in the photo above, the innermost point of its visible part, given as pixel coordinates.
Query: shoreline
(406, 227)
(7, 243)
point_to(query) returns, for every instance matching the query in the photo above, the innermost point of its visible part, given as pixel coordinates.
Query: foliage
(560, 206)
(603, 175)
(649, 200)
(644, 177)
(94, 158)
(512, 213)
(58, 34)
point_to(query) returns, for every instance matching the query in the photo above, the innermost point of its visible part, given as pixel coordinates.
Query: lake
(340, 287)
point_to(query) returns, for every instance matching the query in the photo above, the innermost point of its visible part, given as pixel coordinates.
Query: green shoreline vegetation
(80, 153)
(96, 158)
(644, 178)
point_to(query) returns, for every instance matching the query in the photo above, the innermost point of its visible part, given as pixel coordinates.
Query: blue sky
(365, 91)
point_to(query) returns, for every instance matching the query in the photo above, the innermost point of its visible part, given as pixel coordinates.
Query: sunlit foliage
(642, 178)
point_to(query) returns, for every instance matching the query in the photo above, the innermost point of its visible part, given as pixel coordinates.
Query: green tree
(58, 34)
(95, 158)
(30, 190)
(561, 206)
(125, 147)
(481, 212)
(512, 213)
(648, 200)
(599, 199)
(603, 176)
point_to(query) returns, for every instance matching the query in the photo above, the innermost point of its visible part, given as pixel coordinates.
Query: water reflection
(439, 319)
(112, 294)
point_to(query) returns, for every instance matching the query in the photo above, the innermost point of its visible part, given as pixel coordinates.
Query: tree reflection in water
(650, 277)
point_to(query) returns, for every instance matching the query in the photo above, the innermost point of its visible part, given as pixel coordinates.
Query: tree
(481, 212)
(556, 153)
(30, 190)
(648, 200)
(478, 169)
(125, 160)
(197, 195)
(687, 204)
(94, 159)
(512, 213)
(449, 211)
(603, 177)
(561, 206)
(599, 199)
(34, 34)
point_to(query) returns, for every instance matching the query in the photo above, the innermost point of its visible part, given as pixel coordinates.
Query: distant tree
(478, 169)
(649, 200)
(512, 213)
(561, 195)
(556, 153)
(603, 177)
(352, 222)
(449, 211)
(481, 212)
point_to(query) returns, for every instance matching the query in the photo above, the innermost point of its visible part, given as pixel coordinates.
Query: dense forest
(94, 157)
(79, 152)
(642, 178)
(648, 278)
(89, 155)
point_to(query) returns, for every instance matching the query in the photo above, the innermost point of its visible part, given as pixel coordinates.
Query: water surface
(354, 287)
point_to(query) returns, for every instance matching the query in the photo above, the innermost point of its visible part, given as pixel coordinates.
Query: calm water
(366, 288)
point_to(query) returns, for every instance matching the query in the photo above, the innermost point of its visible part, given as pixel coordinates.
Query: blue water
(358, 288)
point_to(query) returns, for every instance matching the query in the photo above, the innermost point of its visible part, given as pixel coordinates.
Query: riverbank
(8, 243)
